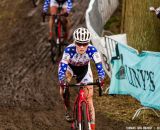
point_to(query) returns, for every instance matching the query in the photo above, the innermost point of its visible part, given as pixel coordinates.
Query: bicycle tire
(74, 125)
(34, 3)
(55, 46)
(61, 33)
(84, 121)
(54, 51)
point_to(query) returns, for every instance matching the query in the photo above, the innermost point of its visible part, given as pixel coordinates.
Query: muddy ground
(29, 96)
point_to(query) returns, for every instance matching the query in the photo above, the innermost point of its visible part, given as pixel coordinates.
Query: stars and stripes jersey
(71, 57)
(47, 3)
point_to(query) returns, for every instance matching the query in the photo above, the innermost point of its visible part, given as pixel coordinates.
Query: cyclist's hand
(63, 84)
(101, 82)
(152, 9)
(43, 14)
(66, 14)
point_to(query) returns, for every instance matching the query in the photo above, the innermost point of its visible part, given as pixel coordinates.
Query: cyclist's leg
(89, 93)
(68, 78)
(69, 74)
(53, 10)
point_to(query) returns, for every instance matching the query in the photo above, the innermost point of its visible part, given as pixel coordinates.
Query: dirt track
(29, 96)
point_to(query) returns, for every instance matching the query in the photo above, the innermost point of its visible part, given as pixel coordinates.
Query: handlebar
(54, 15)
(93, 83)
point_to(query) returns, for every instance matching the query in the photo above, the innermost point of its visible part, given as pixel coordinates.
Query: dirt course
(29, 96)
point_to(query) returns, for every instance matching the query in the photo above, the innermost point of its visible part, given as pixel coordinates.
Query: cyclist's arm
(69, 5)
(46, 5)
(63, 66)
(98, 61)
(158, 12)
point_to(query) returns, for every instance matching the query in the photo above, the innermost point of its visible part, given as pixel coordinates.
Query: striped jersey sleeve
(62, 70)
(95, 56)
(46, 5)
(63, 64)
(69, 5)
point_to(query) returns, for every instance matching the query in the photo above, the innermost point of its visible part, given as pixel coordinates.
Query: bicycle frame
(58, 26)
(58, 31)
(81, 99)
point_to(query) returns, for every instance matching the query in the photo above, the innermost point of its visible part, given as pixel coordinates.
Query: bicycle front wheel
(84, 122)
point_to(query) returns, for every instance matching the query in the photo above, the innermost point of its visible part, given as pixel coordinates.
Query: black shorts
(79, 71)
(61, 1)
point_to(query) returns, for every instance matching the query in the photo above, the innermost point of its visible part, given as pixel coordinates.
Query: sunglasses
(80, 44)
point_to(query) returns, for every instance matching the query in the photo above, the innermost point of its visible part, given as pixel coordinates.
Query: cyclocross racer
(76, 61)
(156, 10)
(66, 8)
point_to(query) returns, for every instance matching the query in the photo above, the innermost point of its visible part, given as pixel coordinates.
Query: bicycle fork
(78, 113)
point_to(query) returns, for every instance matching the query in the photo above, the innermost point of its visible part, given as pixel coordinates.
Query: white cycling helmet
(82, 35)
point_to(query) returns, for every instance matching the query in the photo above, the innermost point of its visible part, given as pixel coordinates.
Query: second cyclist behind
(52, 5)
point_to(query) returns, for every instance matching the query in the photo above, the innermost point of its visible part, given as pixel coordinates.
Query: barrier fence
(98, 12)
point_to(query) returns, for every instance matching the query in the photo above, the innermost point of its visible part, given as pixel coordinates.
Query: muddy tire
(55, 52)
(84, 121)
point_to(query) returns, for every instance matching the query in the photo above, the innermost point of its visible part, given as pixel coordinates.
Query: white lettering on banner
(97, 57)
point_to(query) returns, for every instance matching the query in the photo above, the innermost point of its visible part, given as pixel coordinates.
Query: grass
(114, 23)
(122, 108)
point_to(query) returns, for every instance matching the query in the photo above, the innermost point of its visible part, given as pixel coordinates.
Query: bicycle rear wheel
(74, 125)
(54, 51)
(56, 44)
(62, 36)
(84, 121)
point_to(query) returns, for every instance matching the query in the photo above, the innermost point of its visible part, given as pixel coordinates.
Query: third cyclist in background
(156, 11)
(53, 4)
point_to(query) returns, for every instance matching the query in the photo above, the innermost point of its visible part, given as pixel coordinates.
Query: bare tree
(142, 26)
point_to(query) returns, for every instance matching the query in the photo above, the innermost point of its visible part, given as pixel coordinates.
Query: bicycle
(57, 44)
(81, 116)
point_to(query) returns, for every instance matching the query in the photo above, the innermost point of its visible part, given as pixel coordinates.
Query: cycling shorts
(54, 3)
(85, 76)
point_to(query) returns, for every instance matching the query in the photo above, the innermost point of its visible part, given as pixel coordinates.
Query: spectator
(156, 11)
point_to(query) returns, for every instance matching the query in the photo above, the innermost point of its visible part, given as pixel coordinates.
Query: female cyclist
(76, 61)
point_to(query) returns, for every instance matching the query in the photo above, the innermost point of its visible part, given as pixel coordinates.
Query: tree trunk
(141, 25)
